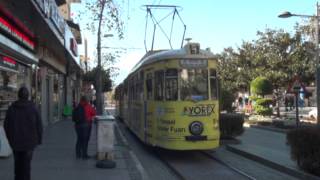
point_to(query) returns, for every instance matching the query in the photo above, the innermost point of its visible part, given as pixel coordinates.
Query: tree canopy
(90, 76)
(261, 86)
(275, 54)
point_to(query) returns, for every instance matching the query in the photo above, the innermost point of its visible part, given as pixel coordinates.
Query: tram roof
(160, 55)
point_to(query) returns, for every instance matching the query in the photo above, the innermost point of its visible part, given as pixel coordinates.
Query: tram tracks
(190, 165)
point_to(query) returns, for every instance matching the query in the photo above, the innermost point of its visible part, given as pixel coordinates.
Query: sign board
(73, 46)
(50, 9)
(8, 62)
(16, 32)
(194, 63)
(296, 85)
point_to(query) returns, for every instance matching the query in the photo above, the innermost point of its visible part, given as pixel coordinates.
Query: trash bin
(105, 137)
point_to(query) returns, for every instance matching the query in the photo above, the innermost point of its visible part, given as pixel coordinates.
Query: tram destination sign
(194, 63)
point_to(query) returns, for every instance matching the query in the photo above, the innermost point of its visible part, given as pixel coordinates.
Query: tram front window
(194, 84)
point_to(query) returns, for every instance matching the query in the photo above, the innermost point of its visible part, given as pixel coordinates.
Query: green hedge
(264, 102)
(264, 111)
(231, 125)
(261, 86)
(254, 98)
(305, 148)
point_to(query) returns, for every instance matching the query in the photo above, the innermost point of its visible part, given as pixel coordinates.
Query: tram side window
(130, 92)
(159, 78)
(149, 86)
(141, 80)
(213, 84)
(136, 87)
(125, 88)
(171, 84)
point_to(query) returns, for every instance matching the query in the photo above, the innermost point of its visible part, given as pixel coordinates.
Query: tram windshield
(194, 84)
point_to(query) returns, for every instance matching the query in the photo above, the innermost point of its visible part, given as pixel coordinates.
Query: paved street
(55, 159)
(269, 148)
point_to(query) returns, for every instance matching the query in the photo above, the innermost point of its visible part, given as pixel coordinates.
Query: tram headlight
(196, 128)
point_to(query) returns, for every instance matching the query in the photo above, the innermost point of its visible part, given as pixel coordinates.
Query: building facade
(38, 49)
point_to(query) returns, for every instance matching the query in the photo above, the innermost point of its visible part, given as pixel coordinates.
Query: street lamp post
(316, 17)
(99, 99)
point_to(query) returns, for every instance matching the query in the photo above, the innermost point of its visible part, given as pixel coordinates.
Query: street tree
(104, 16)
(91, 75)
(261, 86)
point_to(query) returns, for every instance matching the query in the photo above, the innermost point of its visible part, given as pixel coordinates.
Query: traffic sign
(296, 85)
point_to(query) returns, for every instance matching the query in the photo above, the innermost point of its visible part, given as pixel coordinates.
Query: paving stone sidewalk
(269, 148)
(55, 158)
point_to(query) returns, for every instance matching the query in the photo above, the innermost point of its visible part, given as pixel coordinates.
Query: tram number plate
(196, 138)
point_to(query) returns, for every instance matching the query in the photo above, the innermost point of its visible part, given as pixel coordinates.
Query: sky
(212, 23)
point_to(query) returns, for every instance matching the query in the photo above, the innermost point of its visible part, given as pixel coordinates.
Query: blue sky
(214, 24)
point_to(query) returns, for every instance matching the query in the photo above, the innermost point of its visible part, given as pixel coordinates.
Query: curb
(290, 171)
(270, 129)
(134, 157)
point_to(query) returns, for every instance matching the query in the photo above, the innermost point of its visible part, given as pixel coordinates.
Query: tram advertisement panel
(171, 121)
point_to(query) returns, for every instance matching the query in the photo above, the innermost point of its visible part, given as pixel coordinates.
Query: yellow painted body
(166, 123)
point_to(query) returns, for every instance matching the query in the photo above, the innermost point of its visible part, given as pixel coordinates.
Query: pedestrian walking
(23, 127)
(83, 116)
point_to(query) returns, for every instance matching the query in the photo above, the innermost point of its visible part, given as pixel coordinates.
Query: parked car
(313, 114)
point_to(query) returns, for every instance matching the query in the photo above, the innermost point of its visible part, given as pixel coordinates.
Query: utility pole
(287, 14)
(99, 81)
(317, 63)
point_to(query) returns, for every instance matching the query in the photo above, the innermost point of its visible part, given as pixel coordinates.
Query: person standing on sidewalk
(83, 116)
(23, 127)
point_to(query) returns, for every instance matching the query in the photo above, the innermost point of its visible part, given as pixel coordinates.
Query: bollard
(105, 137)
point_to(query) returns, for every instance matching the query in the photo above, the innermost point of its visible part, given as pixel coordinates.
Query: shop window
(213, 84)
(159, 81)
(171, 84)
(8, 80)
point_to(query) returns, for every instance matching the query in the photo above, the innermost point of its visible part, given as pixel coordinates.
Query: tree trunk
(277, 102)
(99, 81)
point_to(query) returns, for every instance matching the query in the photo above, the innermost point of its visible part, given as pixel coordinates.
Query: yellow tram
(170, 99)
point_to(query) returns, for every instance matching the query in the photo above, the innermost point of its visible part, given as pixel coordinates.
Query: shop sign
(74, 46)
(56, 18)
(193, 63)
(40, 4)
(16, 32)
(50, 9)
(8, 62)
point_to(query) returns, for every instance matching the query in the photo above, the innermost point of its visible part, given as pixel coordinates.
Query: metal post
(86, 54)
(317, 64)
(297, 109)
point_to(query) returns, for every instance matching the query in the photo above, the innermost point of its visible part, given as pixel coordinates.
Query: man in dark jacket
(23, 128)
